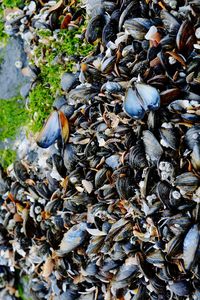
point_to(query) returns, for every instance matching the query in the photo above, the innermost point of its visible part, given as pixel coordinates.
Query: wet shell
(73, 238)
(50, 132)
(190, 246)
(187, 182)
(143, 98)
(153, 149)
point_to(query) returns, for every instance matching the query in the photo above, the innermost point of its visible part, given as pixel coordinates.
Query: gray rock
(11, 78)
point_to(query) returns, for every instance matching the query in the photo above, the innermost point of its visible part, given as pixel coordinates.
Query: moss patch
(3, 35)
(55, 54)
(7, 157)
(13, 116)
(12, 3)
(40, 101)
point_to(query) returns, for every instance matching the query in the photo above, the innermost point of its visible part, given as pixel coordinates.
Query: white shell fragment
(88, 186)
(152, 31)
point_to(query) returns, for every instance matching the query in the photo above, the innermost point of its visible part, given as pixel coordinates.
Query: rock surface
(11, 78)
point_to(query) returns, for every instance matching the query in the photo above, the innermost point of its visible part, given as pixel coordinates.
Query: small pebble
(18, 64)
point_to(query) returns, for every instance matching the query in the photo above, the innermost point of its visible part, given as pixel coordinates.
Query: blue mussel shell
(140, 100)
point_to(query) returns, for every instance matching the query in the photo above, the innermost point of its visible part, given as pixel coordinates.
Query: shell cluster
(113, 211)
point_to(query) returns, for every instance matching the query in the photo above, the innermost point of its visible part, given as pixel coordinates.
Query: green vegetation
(3, 35)
(7, 156)
(55, 53)
(13, 115)
(49, 53)
(39, 106)
(12, 3)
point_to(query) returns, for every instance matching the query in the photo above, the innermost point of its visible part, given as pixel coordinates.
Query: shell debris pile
(114, 214)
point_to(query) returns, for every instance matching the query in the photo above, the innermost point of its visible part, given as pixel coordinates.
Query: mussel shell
(109, 32)
(59, 164)
(142, 293)
(158, 285)
(125, 187)
(180, 288)
(170, 137)
(155, 257)
(70, 158)
(190, 246)
(143, 98)
(68, 81)
(64, 127)
(108, 64)
(153, 149)
(132, 105)
(69, 295)
(59, 102)
(109, 6)
(110, 265)
(73, 238)
(94, 28)
(170, 22)
(187, 182)
(43, 190)
(137, 27)
(91, 269)
(95, 245)
(111, 87)
(101, 177)
(192, 136)
(185, 37)
(195, 156)
(137, 157)
(50, 132)
(126, 271)
(20, 171)
(174, 246)
(190, 118)
(148, 95)
(81, 93)
(163, 192)
(131, 10)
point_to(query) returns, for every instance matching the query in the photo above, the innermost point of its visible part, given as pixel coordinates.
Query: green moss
(12, 3)
(7, 156)
(71, 43)
(13, 116)
(40, 101)
(7, 4)
(50, 52)
(3, 35)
